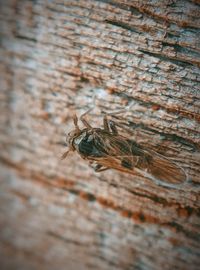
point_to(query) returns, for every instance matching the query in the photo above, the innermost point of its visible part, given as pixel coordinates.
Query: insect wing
(161, 168)
(126, 155)
(117, 152)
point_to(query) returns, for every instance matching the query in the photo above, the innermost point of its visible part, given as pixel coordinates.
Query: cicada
(106, 149)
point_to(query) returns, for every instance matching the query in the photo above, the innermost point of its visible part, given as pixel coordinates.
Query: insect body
(106, 149)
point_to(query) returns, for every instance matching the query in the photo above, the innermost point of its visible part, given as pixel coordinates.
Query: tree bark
(55, 57)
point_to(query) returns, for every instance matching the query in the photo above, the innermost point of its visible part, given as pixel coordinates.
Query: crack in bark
(174, 60)
(123, 25)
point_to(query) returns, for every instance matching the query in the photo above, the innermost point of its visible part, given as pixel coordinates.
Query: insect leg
(100, 168)
(75, 119)
(109, 126)
(83, 120)
(64, 155)
(126, 109)
(113, 127)
(105, 123)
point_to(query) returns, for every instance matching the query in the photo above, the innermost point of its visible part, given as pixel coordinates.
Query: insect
(106, 149)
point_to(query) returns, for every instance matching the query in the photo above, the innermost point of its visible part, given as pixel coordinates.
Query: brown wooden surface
(55, 55)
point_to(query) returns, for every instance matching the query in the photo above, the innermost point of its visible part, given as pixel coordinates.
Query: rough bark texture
(55, 55)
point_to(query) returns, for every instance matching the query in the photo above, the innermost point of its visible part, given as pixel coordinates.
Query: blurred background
(55, 57)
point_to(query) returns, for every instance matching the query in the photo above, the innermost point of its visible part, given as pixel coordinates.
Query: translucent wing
(162, 169)
(126, 155)
(116, 151)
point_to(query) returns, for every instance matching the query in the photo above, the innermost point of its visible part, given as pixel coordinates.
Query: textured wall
(55, 55)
